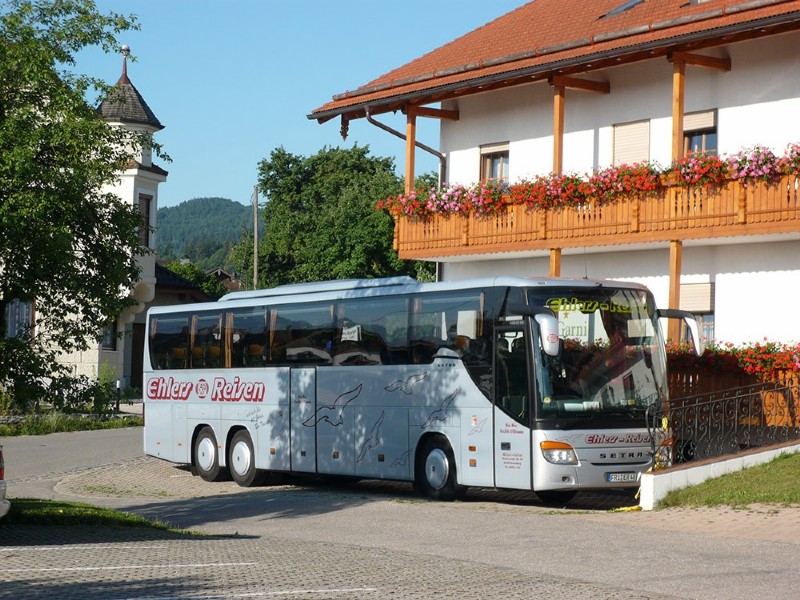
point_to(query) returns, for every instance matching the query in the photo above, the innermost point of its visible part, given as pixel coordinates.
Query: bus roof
(337, 285)
(343, 288)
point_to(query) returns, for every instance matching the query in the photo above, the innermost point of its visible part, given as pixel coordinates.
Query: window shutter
(696, 121)
(492, 148)
(631, 142)
(697, 297)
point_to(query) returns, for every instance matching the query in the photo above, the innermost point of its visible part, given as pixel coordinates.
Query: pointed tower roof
(125, 104)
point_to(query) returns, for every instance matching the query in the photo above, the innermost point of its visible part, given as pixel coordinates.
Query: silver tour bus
(510, 382)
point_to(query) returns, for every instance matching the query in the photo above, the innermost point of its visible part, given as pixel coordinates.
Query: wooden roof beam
(435, 113)
(700, 60)
(587, 85)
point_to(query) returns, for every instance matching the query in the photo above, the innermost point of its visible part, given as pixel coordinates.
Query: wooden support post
(675, 258)
(559, 93)
(555, 262)
(678, 94)
(411, 140)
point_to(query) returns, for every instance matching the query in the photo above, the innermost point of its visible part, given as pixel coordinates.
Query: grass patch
(60, 422)
(28, 511)
(774, 482)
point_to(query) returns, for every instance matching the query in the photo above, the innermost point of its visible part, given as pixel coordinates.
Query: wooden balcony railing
(672, 213)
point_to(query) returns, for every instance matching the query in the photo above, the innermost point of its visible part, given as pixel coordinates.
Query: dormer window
(621, 8)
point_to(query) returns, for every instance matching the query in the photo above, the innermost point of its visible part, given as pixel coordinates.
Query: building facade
(563, 86)
(118, 352)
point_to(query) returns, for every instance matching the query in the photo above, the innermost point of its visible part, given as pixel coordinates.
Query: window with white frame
(494, 163)
(631, 142)
(700, 132)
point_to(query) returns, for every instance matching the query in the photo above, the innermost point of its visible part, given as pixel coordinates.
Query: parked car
(5, 505)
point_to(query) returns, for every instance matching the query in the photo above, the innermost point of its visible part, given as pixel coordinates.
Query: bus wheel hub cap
(436, 468)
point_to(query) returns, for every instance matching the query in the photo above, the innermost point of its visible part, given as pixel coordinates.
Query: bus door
(512, 408)
(303, 406)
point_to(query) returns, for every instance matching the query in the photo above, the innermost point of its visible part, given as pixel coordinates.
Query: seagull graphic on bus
(374, 440)
(440, 414)
(477, 427)
(407, 385)
(402, 460)
(334, 413)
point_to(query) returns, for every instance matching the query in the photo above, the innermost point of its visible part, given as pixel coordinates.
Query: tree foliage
(320, 220)
(64, 243)
(202, 230)
(210, 285)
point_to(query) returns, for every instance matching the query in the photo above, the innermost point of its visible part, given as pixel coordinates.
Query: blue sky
(233, 80)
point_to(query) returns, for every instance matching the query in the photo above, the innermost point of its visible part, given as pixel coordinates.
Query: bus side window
(362, 331)
(169, 341)
(451, 320)
(309, 333)
(249, 337)
(206, 338)
(423, 345)
(278, 338)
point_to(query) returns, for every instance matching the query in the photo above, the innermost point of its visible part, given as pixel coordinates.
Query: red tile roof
(547, 37)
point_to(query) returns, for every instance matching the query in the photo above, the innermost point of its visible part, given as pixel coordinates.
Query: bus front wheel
(436, 471)
(206, 456)
(242, 461)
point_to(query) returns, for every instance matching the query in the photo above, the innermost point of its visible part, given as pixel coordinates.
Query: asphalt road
(312, 539)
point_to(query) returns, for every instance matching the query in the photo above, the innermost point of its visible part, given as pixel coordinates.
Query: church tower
(138, 186)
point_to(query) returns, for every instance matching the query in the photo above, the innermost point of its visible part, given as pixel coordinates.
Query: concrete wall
(656, 485)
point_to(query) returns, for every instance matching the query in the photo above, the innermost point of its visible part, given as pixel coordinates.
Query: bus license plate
(621, 477)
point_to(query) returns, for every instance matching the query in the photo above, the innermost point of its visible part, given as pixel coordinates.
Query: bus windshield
(612, 363)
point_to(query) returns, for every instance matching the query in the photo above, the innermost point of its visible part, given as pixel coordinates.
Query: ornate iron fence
(727, 422)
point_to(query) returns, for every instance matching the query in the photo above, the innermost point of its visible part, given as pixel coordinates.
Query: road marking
(259, 594)
(82, 548)
(154, 566)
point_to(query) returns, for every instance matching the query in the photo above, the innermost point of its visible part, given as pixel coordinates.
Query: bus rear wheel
(242, 461)
(436, 471)
(206, 456)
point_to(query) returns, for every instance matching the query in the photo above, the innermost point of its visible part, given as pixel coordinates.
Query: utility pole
(255, 237)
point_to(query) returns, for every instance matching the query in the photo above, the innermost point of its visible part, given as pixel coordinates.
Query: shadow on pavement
(301, 497)
(21, 534)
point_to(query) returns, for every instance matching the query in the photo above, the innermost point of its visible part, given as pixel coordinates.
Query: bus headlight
(559, 453)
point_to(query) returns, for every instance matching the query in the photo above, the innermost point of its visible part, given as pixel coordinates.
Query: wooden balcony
(672, 213)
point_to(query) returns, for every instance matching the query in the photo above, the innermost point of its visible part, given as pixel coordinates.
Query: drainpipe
(439, 155)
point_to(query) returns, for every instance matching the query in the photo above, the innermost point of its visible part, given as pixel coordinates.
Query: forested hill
(202, 229)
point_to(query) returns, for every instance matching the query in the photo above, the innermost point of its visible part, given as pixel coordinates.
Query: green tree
(320, 220)
(210, 285)
(64, 243)
(202, 229)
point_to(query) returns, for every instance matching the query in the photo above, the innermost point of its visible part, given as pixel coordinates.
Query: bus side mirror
(691, 323)
(548, 332)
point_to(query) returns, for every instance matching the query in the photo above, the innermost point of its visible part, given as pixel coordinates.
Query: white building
(574, 86)
(138, 186)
